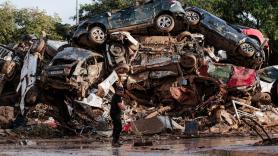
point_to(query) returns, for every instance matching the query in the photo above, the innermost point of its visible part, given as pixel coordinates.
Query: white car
(269, 81)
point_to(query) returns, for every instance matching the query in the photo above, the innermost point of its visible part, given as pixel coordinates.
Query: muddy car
(74, 69)
(269, 81)
(160, 13)
(241, 49)
(258, 36)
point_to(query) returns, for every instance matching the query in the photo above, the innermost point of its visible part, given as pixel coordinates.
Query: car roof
(73, 53)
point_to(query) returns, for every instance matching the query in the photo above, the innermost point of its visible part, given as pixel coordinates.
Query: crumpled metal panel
(73, 53)
(242, 77)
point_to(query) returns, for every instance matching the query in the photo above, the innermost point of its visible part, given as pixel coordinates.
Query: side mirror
(109, 14)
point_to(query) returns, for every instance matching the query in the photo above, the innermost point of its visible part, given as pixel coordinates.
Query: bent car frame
(74, 69)
(224, 36)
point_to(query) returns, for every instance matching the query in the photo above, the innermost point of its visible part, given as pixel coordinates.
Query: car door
(146, 12)
(122, 18)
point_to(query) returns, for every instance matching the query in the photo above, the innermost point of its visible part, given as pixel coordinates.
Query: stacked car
(151, 45)
(185, 59)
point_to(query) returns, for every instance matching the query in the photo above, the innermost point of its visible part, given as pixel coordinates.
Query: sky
(64, 8)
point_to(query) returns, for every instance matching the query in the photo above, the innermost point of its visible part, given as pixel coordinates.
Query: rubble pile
(183, 81)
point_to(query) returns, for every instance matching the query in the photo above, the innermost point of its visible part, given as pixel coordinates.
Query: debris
(190, 82)
(6, 116)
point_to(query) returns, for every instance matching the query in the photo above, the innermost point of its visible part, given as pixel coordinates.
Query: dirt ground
(232, 146)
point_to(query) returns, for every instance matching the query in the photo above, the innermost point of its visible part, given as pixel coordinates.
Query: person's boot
(116, 144)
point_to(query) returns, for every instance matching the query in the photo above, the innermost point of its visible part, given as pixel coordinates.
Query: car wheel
(32, 95)
(274, 93)
(117, 49)
(97, 35)
(9, 69)
(192, 17)
(188, 61)
(122, 69)
(247, 50)
(184, 35)
(165, 23)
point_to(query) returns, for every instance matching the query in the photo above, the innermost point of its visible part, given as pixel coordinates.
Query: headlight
(7, 58)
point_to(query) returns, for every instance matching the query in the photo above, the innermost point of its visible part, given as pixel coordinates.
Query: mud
(232, 146)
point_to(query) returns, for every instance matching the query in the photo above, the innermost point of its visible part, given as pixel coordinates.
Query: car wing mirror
(109, 14)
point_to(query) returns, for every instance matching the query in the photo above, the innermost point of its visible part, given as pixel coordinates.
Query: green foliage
(15, 23)
(35, 21)
(7, 22)
(89, 10)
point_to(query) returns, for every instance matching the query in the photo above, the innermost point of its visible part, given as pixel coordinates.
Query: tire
(274, 93)
(122, 69)
(32, 95)
(192, 17)
(97, 35)
(117, 49)
(184, 35)
(247, 50)
(165, 23)
(188, 61)
(38, 46)
(8, 69)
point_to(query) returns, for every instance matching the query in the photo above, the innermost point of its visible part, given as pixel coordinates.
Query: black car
(74, 69)
(160, 13)
(242, 50)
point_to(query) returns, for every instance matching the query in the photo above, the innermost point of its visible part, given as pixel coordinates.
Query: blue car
(158, 13)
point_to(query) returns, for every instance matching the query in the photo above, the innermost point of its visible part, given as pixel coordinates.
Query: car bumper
(63, 85)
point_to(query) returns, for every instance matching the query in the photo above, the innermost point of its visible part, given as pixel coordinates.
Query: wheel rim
(164, 22)
(247, 48)
(192, 16)
(98, 35)
(116, 50)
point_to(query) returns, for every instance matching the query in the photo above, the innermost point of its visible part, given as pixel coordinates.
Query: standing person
(117, 105)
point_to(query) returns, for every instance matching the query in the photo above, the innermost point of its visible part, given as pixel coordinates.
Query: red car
(256, 35)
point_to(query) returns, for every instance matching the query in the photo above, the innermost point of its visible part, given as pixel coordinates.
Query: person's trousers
(117, 127)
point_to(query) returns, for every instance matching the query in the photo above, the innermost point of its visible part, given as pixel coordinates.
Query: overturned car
(158, 13)
(225, 36)
(74, 69)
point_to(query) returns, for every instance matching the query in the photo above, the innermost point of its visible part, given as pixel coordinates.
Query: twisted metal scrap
(254, 125)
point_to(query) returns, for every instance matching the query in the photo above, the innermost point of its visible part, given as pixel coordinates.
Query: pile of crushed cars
(183, 69)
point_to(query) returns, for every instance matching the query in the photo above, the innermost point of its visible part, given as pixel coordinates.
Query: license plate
(56, 72)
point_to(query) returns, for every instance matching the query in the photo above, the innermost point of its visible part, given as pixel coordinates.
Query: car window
(269, 74)
(62, 62)
(99, 59)
(91, 61)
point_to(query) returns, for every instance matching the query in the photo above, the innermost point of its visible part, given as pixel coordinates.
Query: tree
(89, 10)
(15, 23)
(7, 22)
(34, 21)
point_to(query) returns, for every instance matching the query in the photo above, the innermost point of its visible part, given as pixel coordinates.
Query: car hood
(72, 53)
